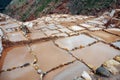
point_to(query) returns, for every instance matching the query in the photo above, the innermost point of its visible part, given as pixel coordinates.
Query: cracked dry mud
(64, 46)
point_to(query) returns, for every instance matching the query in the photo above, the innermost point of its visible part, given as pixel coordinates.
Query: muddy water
(114, 31)
(27, 73)
(50, 56)
(37, 35)
(74, 41)
(68, 72)
(67, 24)
(96, 54)
(17, 56)
(107, 37)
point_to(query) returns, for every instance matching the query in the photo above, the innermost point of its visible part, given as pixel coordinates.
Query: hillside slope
(25, 10)
(3, 4)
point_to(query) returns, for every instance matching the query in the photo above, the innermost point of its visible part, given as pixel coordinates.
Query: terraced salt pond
(114, 31)
(96, 54)
(116, 44)
(16, 56)
(73, 42)
(62, 46)
(17, 36)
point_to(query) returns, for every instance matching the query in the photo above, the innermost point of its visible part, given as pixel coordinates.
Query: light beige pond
(71, 43)
(50, 56)
(68, 72)
(16, 36)
(17, 56)
(96, 54)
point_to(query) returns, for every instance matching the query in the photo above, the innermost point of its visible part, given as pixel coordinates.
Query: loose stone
(14, 67)
(111, 66)
(39, 71)
(78, 78)
(86, 76)
(26, 64)
(9, 69)
(36, 67)
(35, 61)
(117, 58)
(103, 72)
(113, 70)
(110, 63)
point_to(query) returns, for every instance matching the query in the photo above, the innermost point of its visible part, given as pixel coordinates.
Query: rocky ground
(61, 47)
